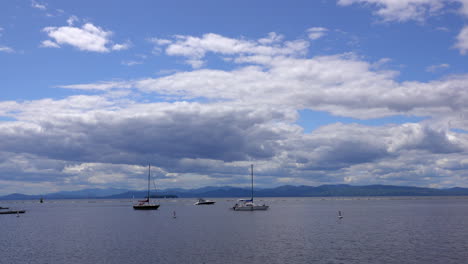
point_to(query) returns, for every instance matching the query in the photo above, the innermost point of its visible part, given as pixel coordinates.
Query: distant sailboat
(249, 205)
(146, 204)
(339, 215)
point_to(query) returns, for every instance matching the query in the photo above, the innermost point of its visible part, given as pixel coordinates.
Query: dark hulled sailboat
(146, 204)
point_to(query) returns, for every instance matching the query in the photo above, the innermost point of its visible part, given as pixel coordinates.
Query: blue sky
(312, 92)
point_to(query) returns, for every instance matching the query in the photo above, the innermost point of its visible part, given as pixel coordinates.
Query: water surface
(293, 230)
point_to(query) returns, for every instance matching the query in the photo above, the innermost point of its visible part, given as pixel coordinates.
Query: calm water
(294, 230)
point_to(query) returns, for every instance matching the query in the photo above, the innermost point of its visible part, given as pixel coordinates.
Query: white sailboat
(248, 204)
(146, 204)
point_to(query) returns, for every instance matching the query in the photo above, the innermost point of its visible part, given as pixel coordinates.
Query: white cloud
(444, 29)
(123, 46)
(402, 10)
(160, 42)
(71, 20)
(6, 49)
(87, 38)
(131, 62)
(316, 32)
(195, 48)
(272, 37)
(49, 44)
(464, 7)
(37, 5)
(462, 41)
(103, 86)
(340, 84)
(195, 63)
(435, 68)
(417, 10)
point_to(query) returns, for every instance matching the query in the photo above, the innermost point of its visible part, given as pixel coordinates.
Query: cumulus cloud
(316, 32)
(6, 49)
(404, 10)
(435, 68)
(123, 46)
(341, 85)
(417, 10)
(87, 38)
(83, 134)
(464, 7)
(49, 44)
(38, 5)
(462, 41)
(71, 20)
(196, 48)
(272, 37)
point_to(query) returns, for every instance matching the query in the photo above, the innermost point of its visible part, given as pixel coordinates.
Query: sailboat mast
(149, 172)
(251, 172)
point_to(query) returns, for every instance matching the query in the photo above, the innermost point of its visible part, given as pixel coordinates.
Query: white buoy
(174, 215)
(339, 215)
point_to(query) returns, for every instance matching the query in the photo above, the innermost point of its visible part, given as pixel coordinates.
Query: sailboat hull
(13, 212)
(146, 207)
(251, 208)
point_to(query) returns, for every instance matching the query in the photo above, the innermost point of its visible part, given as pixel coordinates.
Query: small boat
(146, 204)
(202, 201)
(1, 208)
(41, 200)
(13, 212)
(248, 204)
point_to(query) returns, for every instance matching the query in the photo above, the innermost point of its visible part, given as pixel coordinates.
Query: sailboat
(248, 204)
(146, 204)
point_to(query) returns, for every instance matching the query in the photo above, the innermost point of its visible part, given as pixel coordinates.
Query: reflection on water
(294, 230)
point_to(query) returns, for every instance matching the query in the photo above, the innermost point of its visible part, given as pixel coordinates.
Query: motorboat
(202, 201)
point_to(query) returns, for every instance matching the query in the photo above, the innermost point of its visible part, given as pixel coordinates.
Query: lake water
(293, 230)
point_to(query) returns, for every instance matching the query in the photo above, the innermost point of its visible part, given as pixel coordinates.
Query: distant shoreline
(336, 198)
(340, 190)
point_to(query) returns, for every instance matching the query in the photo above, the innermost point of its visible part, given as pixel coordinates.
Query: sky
(311, 92)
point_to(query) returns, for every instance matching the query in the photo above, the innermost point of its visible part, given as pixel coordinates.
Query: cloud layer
(205, 126)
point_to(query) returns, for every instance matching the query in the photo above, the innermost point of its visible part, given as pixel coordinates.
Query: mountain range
(227, 191)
